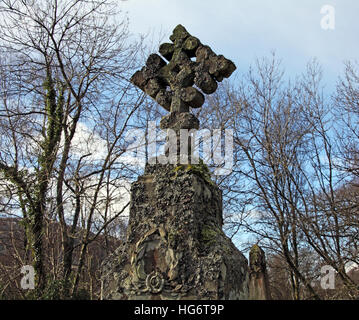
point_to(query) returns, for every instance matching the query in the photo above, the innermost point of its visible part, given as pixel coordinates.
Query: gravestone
(175, 247)
(258, 276)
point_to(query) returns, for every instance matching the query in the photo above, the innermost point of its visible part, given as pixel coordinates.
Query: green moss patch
(200, 170)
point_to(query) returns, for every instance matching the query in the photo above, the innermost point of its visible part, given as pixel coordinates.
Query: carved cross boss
(172, 84)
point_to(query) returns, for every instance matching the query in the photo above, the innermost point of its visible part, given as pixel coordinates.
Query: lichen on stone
(200, 169)
(209, 234)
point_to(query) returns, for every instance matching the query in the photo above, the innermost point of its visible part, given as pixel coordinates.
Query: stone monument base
(175, 248)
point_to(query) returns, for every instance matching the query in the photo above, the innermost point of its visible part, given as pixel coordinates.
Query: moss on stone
(209, 234)
(179, 33)
(256, 258)
(177, 170)
(200, 170)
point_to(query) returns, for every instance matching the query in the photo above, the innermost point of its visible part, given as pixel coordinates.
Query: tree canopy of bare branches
(66, 104)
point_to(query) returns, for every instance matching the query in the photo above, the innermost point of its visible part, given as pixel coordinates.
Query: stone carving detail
(171, 84)
(155, 282)
(155, 265)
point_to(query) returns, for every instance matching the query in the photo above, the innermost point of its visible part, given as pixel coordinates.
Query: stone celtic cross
(175, 247)
(172, 84)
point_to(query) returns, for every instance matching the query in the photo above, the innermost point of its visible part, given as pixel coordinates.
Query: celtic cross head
(191, 66)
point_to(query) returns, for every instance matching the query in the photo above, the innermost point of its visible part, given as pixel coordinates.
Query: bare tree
(64, 67)
(288, 186)
(271, 134)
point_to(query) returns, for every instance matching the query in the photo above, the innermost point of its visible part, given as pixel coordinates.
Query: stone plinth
(258, 277)
(175, 246)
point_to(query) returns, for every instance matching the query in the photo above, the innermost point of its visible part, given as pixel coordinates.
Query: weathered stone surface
(167, 50)
(258, 277)
(175, 247)
(192, 96)
(190, 46)
(139, 80)
(179, 33)
(205, 82)
(152, 88)
(164, 98)
(181, 72)
(177, 121)
(155, 62)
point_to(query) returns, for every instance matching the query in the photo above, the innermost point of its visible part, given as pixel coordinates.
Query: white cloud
(86, 142)
(243, 30)
(111, 199)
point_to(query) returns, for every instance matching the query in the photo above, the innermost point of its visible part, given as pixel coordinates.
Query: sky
(243, 30)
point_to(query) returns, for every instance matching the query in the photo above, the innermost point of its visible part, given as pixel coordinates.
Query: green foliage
(199, 169)
(54, 110)
(58, 289)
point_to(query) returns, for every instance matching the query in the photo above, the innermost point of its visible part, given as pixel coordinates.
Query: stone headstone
(258, 277)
